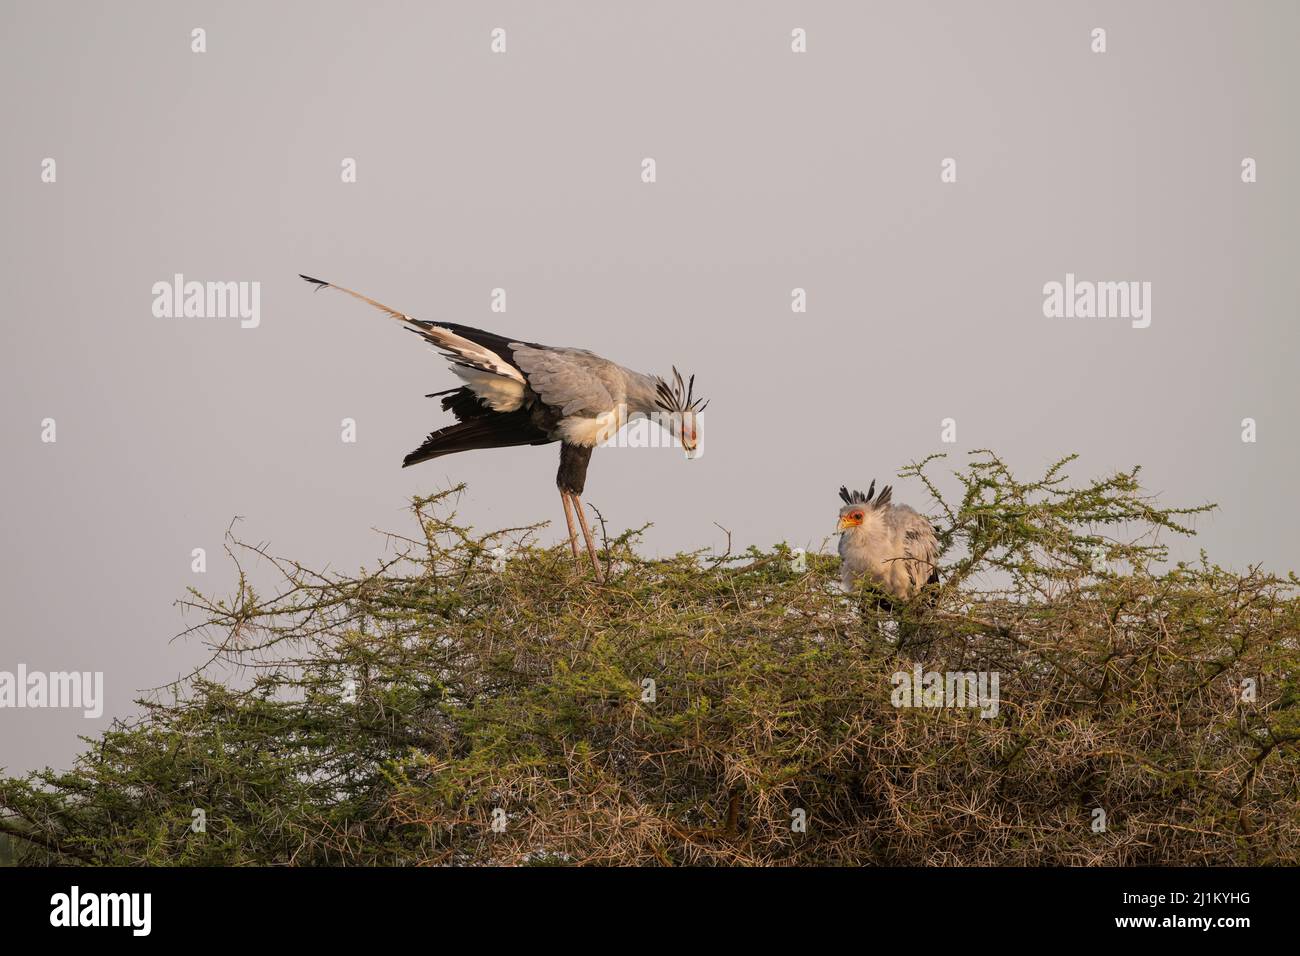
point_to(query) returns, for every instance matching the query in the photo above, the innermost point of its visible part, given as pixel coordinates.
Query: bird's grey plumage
(523, 393)
(589, 397)
(891, 544)
(575, 381)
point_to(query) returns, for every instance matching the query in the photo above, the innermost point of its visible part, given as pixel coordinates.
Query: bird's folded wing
(574, 381)
(918, 534)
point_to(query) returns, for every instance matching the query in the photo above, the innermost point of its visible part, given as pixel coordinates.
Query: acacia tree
(475, 700)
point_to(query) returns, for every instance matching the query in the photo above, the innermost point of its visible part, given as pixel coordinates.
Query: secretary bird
(891, 544)
(522, 393)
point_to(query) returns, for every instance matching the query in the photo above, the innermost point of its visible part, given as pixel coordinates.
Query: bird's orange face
(851, 518)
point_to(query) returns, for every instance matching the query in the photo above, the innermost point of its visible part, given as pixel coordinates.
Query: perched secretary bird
(892, 544)
(522, 393)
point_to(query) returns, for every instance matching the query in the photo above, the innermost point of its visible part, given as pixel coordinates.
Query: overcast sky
(523, 170)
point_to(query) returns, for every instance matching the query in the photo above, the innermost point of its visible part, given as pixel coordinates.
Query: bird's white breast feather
(579, 430)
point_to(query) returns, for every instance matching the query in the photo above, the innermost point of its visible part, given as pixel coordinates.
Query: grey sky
(775, 170)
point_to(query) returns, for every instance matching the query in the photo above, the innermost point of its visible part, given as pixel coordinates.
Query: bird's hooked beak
(846, 522)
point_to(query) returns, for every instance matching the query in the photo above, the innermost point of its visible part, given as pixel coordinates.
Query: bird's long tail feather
(461, 350)
(400, 316)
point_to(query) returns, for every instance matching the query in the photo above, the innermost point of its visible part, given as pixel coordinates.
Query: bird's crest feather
(870, 498)
(680, 396)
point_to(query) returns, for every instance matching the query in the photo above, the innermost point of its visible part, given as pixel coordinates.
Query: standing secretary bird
(891, 544)
(522, 393)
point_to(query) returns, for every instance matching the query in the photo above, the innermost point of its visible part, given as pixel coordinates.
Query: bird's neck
(641, 394)
(868, 527)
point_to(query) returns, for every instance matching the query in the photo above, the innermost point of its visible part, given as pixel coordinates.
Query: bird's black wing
(491, 430)
(462, 402)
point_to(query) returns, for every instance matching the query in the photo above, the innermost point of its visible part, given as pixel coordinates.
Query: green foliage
(383, 718)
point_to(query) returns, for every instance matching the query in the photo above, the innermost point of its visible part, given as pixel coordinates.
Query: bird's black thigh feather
(572, 476)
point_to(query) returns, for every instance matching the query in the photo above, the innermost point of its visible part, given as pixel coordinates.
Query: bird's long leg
(568, 517)
(586, 533)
